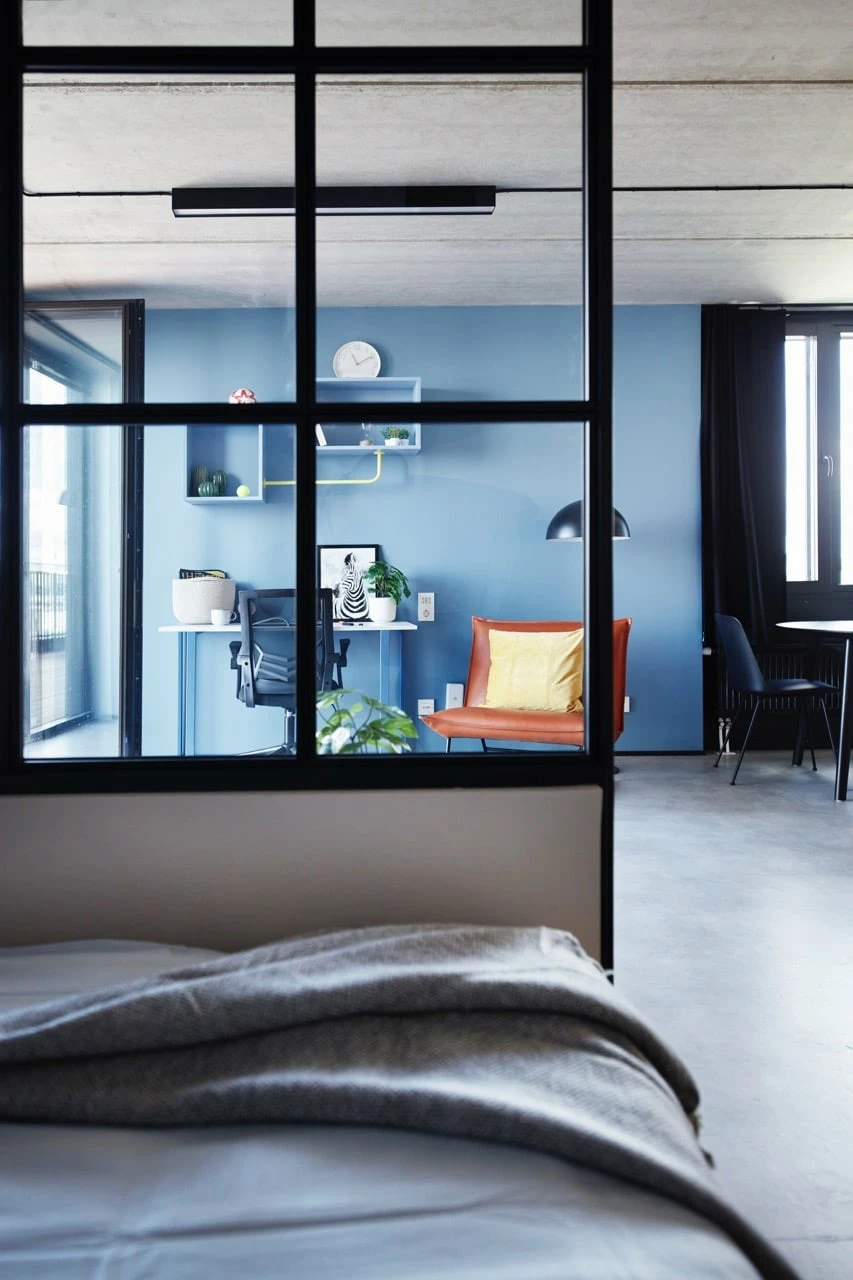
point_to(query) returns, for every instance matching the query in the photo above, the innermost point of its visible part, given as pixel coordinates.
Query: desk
(842, 629)
(390, 665)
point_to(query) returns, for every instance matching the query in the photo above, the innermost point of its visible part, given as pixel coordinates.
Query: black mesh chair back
(745, 677)
(265, 656)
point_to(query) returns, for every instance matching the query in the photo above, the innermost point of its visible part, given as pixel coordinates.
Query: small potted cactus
(206, 485)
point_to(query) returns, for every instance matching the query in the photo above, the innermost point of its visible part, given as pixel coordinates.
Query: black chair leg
(726, 738)
(810, 732)
(447, 748)
(483, 744)
(829, 730)
(799, 737)
(745, 741)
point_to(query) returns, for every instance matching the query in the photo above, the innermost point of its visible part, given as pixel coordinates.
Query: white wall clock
(356, 360)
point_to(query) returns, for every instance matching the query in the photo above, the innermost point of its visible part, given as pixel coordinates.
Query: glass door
(79, 583)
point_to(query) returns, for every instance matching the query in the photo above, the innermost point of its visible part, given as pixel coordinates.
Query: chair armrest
(234, 646)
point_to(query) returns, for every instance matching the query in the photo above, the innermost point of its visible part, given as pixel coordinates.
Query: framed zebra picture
(342, 569)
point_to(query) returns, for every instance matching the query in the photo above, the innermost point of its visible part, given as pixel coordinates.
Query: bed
(415, 1102)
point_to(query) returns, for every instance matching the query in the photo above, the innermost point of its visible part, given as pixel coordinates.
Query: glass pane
(446, 22)
(123, 22)
(461, 525)
(800, 459)
(73, 354)
(218, 510)
(218, 290)
(480, 299)
(71, 605)
(846, 458)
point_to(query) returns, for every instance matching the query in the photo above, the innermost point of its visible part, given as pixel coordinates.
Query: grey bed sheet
(310, 1201)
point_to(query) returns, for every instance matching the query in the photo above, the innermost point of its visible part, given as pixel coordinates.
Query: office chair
(745, 678)
(265, 655)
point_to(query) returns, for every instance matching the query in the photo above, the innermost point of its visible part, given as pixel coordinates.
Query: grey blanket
(507, 1035)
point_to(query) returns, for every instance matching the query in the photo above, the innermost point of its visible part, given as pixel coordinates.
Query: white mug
(221, 617)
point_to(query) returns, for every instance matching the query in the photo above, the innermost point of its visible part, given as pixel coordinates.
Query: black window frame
(304, 61)
(824, 596)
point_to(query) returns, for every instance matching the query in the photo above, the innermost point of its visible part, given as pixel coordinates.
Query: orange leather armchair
(563, 727)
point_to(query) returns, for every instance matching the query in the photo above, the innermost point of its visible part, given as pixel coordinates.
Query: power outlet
(426, 606)
(453, 695)
(426, 706)
(627, 703)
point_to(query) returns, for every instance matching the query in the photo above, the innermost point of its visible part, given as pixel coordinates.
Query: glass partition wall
(377, 297)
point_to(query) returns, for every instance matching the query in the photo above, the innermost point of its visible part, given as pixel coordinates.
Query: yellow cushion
(536, 670)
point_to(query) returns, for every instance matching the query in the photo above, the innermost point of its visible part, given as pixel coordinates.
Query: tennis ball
(243, 491)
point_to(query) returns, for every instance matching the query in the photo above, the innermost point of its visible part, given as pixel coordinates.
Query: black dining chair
(265, 656)
(745, 678)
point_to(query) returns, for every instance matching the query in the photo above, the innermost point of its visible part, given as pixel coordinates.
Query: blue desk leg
(391, 668)
(186, 692)
(182, 693)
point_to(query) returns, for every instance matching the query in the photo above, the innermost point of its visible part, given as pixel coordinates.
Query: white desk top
(204, 627)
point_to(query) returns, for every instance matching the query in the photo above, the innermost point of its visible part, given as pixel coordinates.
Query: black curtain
(743, 469)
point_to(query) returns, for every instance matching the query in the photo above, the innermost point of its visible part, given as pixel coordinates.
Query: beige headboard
(233, 871)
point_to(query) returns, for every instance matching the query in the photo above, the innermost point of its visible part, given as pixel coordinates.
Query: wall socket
(627, 703)
(453, 695)
(426, 706)
(426, 606)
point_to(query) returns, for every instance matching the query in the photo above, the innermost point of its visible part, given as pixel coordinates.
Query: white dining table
(840, 629)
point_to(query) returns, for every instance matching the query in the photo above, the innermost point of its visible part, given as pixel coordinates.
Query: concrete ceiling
(710, 94)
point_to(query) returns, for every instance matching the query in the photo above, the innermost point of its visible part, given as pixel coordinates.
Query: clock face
(356, 360)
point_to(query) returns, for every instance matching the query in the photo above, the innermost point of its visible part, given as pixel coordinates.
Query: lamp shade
(567, 524)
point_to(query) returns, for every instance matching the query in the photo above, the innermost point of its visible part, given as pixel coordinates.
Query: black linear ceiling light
(279, 202)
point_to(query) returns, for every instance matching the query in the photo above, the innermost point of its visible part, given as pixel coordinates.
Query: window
(282, 108)
(801, 458)
(819, 462)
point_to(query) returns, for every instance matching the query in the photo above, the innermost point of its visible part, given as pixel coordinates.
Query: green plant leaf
(383, 729)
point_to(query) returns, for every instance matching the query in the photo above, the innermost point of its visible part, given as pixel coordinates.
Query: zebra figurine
(350, 597)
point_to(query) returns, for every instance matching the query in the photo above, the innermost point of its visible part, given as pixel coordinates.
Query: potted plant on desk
(387, 586)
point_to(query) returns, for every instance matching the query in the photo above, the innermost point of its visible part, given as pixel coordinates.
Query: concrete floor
(734, 935)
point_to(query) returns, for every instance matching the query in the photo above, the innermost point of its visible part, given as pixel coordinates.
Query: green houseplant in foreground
(364, 726)
(388, 586)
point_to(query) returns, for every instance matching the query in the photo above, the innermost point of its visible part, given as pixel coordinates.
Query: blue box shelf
(344, 437)
(238, 449)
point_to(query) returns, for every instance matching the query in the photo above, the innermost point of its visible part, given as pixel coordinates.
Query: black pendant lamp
(567, 524)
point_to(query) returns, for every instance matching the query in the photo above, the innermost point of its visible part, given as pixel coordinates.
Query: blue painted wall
(464, 518)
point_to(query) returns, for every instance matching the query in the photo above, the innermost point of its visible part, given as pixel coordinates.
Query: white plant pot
(394, 442)
(193, 598)
(382, 608)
